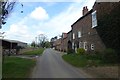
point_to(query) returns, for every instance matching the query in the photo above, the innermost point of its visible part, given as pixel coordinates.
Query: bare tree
(33, 44)
(42, 39)
(6, 7)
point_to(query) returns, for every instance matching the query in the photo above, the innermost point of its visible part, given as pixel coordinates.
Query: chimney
(64, 35)
(85, 10)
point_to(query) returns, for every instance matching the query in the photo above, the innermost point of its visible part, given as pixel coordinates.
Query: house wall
(69, 40)
(64, 44)
(104, 8)
(69, 35)
(57, 44)
(89, 36)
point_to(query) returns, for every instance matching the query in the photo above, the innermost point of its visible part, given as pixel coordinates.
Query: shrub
(80, 51)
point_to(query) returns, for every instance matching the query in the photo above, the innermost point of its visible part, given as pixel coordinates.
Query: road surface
(51, 65)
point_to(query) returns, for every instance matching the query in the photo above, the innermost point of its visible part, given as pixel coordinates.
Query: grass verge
(101, 69)
(85, 60)
(34, 52)
(75, 60)
(14, 67)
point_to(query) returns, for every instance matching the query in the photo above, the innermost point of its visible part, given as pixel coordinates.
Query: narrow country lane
(51, 65)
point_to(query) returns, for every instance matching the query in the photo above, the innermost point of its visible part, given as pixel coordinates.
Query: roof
(69, 31)
(12, 41)
(89, 12)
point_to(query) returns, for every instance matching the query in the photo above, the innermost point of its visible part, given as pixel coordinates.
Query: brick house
(64, 42)
(60, 43)
(57, 44)
(84, 33)
(69, 40)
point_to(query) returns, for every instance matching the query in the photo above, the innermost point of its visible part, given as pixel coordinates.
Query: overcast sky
(49, 17)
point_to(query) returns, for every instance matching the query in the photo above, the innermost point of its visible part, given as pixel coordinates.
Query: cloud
(49, 0)
(27, 29)
(19, 32)
(63, 21)
(55, 0)
(39, 14)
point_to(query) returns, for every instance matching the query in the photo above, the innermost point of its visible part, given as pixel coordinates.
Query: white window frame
(80, 44)
(92, 46)
(79, 34)
(75, 48)
(94, 19)
(85, 46)
(73, 35)
(72, 45)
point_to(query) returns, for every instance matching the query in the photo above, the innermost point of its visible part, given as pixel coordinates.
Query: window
(92, 46)
(94, 19)
(73, 35)
(80, 44)
(72, 45)
(79, 34)
(75, 48)
(85, 46)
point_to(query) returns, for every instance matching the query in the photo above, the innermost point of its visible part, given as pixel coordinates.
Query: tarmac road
(51, 65)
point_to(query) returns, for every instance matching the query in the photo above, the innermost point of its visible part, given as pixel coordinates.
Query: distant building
(64, 42)
(57, 44)
(21, 44)
(10, 46)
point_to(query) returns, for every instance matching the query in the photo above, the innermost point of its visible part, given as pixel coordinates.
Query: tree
(47, 44)
(33, 44)
(42, 39)
(6, 7)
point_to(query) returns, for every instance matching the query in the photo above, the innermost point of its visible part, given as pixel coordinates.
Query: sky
(48, 17)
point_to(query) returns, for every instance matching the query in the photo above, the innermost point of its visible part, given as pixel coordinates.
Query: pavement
(51, 65)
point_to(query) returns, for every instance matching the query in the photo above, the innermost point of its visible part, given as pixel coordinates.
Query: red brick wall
(88, 33)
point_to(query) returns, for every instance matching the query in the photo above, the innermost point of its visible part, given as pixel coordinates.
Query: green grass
(75, 60)
(86, 60)
(34, 52)
(14, 67)
(82, 60)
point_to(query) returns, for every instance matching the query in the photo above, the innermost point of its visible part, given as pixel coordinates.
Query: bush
(110, 56)
(80, 51)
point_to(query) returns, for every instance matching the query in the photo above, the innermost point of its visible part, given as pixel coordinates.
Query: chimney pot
(85, 10)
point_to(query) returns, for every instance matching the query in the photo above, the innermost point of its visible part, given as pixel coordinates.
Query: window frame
(80, 44)
(79, 34)
(94, 19)
(92, 46)
(73, 45)
(85, 46)
(73, 35)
